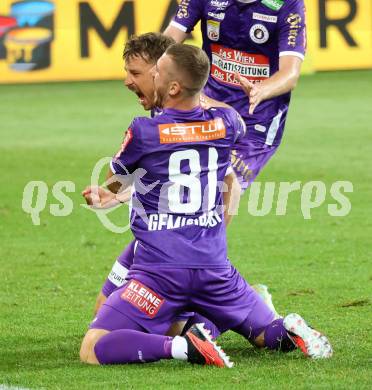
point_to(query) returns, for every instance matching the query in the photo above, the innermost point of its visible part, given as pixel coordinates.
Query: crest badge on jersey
(213, 30)
(259, 33)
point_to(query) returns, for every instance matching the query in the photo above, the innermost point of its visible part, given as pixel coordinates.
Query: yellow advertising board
(339, 34)
(47, 40)
(71, 39)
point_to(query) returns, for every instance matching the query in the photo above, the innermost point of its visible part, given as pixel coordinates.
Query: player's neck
(183, 103)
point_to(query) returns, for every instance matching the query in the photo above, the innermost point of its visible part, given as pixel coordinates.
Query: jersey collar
(174, 112)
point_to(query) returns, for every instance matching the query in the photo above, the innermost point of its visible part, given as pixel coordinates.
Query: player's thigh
(147, 299)
(227, 299)
(113, 316)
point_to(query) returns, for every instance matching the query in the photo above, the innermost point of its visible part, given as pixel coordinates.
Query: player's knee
(86, 349)
(87, 354)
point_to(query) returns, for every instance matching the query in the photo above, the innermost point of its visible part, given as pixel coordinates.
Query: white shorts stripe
(271, 133)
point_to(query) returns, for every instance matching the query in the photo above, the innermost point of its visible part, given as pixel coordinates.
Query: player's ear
(174, 88)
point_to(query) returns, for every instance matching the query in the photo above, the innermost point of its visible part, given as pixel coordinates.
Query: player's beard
(160, 95)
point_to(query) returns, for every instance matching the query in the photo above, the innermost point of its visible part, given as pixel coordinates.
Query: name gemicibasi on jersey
(184, 156)
(169, 221)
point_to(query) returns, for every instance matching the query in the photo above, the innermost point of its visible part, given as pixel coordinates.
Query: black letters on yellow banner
(341, 23)
(172, 10)
(124, 19)
(92, 32)
(88, 20)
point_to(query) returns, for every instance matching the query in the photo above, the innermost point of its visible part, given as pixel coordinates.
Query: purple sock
(125, 260)
(198, 318)
(131, 346)
(276, 337)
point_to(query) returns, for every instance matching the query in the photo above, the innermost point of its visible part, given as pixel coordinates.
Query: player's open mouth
(141, 98)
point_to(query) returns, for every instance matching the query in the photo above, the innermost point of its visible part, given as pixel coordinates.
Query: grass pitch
(50, 274)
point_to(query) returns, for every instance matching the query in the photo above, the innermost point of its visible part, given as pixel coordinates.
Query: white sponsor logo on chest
(265, 18)
(219, 4)
(219, 16)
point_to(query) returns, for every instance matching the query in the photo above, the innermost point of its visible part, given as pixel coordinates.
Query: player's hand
(100, 198)
(255, 92)
(206, 102)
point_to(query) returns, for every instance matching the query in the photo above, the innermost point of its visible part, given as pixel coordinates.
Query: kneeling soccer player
(140, 55)
(180, 262)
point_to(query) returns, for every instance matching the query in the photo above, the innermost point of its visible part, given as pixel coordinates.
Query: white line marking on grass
(6, 387)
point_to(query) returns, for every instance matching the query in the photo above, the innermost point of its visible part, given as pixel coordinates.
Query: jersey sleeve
(188, 14)
(237, 124)
(126, 159)
(292, 29)
(241, 127)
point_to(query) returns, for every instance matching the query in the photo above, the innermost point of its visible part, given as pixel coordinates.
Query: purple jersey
(248, 38)
(179, 161)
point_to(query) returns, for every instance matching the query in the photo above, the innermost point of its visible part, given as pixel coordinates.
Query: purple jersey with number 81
(178, 161)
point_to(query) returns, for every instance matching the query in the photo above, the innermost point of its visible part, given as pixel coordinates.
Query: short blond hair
(193, 63)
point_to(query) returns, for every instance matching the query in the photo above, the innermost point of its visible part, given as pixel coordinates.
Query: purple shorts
(249, 159)
(154, 298)
(119, 275)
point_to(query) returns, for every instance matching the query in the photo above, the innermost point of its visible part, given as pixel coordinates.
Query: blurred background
(82, 40)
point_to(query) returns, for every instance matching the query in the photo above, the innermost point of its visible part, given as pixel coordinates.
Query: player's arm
(291, 49)
(281, 82)
(100, 300)
(119, 177)
(119, 185)
(175, 32)
(102, 198)
(206, 102)
(188, 14)
(231, 197)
